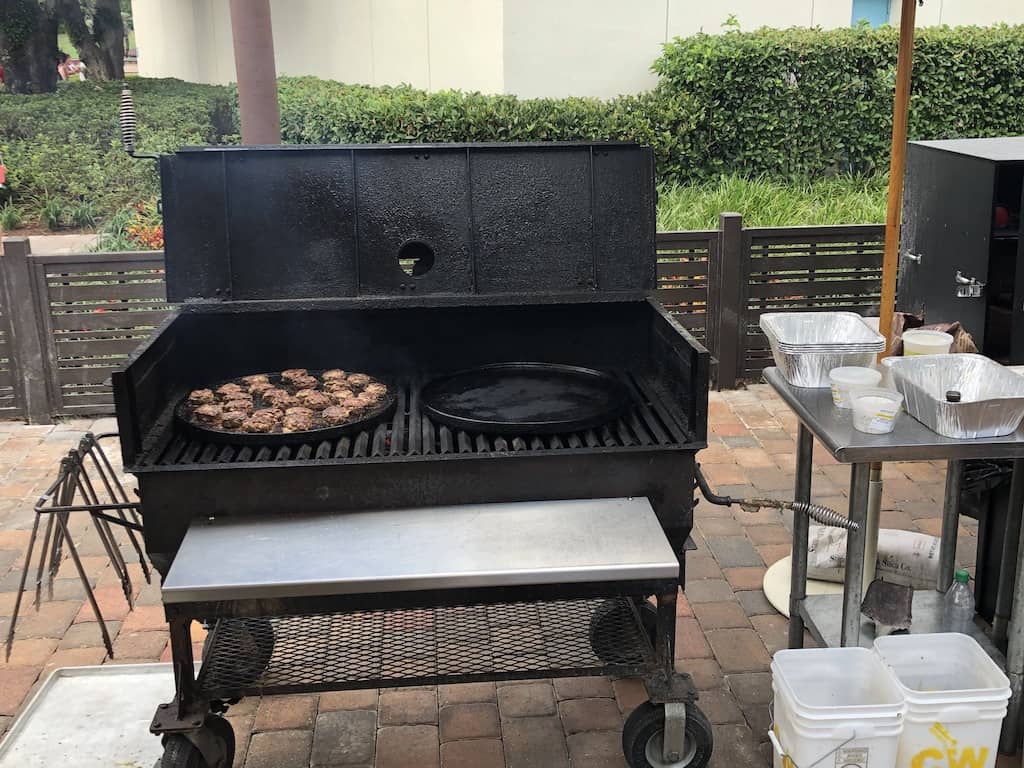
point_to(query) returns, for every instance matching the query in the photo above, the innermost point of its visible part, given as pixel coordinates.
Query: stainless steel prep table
(836, 619)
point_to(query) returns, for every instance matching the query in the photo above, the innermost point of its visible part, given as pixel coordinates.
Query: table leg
(801, 527)
(1010, 737)
(853, 587)
(950, 523)
(1008, 560)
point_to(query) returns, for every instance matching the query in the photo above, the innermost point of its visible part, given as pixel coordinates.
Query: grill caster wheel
(613, 635)
(645, 728)
(181, 752)
(244, 649)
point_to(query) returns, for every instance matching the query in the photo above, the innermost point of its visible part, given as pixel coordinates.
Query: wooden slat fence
(807, 268)
(68, 321)
(683, 259)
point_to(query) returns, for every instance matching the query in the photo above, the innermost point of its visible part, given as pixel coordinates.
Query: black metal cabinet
(960, 244)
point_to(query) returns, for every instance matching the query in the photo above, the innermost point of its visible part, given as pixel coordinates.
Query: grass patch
(773, 203)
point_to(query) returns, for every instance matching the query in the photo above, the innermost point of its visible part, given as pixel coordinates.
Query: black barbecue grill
(421, 549)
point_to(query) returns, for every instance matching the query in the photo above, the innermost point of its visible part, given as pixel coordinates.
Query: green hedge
(807, 102)
(315, 111)
(772, 103)
(64, 148)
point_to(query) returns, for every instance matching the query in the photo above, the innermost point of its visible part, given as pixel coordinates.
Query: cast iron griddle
(525, 398)
(183, 414)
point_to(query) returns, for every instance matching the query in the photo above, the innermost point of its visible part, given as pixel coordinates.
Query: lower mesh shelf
(433, 645)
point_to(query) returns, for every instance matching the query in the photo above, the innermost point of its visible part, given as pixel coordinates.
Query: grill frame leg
(187, 712)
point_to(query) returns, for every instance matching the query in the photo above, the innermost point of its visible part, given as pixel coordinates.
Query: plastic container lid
(836, 682)
(918, 342)
(961, 576)
(854, 376)
(943, 667)
(875, 410)
(849, 378)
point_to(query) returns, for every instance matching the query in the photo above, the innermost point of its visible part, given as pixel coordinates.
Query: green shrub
(800, 102)
(10, 217)
(52, 212)
(66, 145)
(315, 111)
(82, 215)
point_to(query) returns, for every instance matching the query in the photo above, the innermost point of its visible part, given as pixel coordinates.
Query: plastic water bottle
(958, 607)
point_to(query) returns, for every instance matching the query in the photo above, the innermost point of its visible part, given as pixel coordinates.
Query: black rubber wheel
(245, 647)
(180, 752)
(645, 728)
(614, 637)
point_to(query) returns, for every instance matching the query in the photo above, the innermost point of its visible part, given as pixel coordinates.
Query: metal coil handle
(824, 515)
(816, 512)
(126, 120)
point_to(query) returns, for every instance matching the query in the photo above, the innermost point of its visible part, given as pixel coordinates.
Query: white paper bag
(904, 557)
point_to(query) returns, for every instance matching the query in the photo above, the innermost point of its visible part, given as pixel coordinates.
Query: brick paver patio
(726, 628)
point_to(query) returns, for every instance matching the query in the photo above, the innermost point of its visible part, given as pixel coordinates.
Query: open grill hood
(525, 220)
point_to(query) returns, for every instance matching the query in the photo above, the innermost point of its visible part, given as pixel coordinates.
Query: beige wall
(427, 43)
(530, 48)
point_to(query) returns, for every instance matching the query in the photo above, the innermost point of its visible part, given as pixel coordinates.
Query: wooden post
(253, 38)
(726, 292)
(28, 360)
(900, 115)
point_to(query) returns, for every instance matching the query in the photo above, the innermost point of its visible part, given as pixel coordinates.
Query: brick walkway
(726, 628)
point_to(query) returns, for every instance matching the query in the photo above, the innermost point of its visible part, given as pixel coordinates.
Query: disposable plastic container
(835, 706)
(919, 342)
(875, 410)
(956, 699)
(848, 379)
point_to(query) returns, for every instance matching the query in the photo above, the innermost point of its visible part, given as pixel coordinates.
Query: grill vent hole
(416, 258)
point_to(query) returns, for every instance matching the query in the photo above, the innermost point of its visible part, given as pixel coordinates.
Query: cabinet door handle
(914, 257)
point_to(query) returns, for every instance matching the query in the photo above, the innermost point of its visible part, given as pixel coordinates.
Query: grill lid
(304, 222)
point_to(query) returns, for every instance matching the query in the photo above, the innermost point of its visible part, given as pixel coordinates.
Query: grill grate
(424, 646)
(410, 433)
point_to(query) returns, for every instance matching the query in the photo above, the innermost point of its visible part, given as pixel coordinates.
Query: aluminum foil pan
(811, 370)
(838, 332)
(991, 395)
(807, 345)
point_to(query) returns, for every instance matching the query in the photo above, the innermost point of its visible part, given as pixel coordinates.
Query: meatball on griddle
(335, 415)
(311, 398)
(233, 419)
(208, 414)
(201, 397)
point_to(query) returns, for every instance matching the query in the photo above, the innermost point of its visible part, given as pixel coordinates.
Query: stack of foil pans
(807, 345)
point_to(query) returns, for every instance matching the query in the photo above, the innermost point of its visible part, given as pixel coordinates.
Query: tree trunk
(102, 47)
(28, 46)
(108, 32)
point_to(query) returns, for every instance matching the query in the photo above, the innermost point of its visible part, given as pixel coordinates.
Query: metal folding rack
(86, 482)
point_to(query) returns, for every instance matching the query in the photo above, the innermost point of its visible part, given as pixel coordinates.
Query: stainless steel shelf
(909, 441)
(460, 547)
(823, 616)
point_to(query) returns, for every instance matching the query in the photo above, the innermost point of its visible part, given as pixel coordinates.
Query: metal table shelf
(823, 617)
(837, 620)
(460, 547)
(910, 440)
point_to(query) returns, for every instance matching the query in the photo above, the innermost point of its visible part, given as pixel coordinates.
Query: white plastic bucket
(956, 699)
(849, 378)
(834, 707)
(875, 410)
(919, 342)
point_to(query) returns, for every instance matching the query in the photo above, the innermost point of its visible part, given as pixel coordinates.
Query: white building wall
(531, 48)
